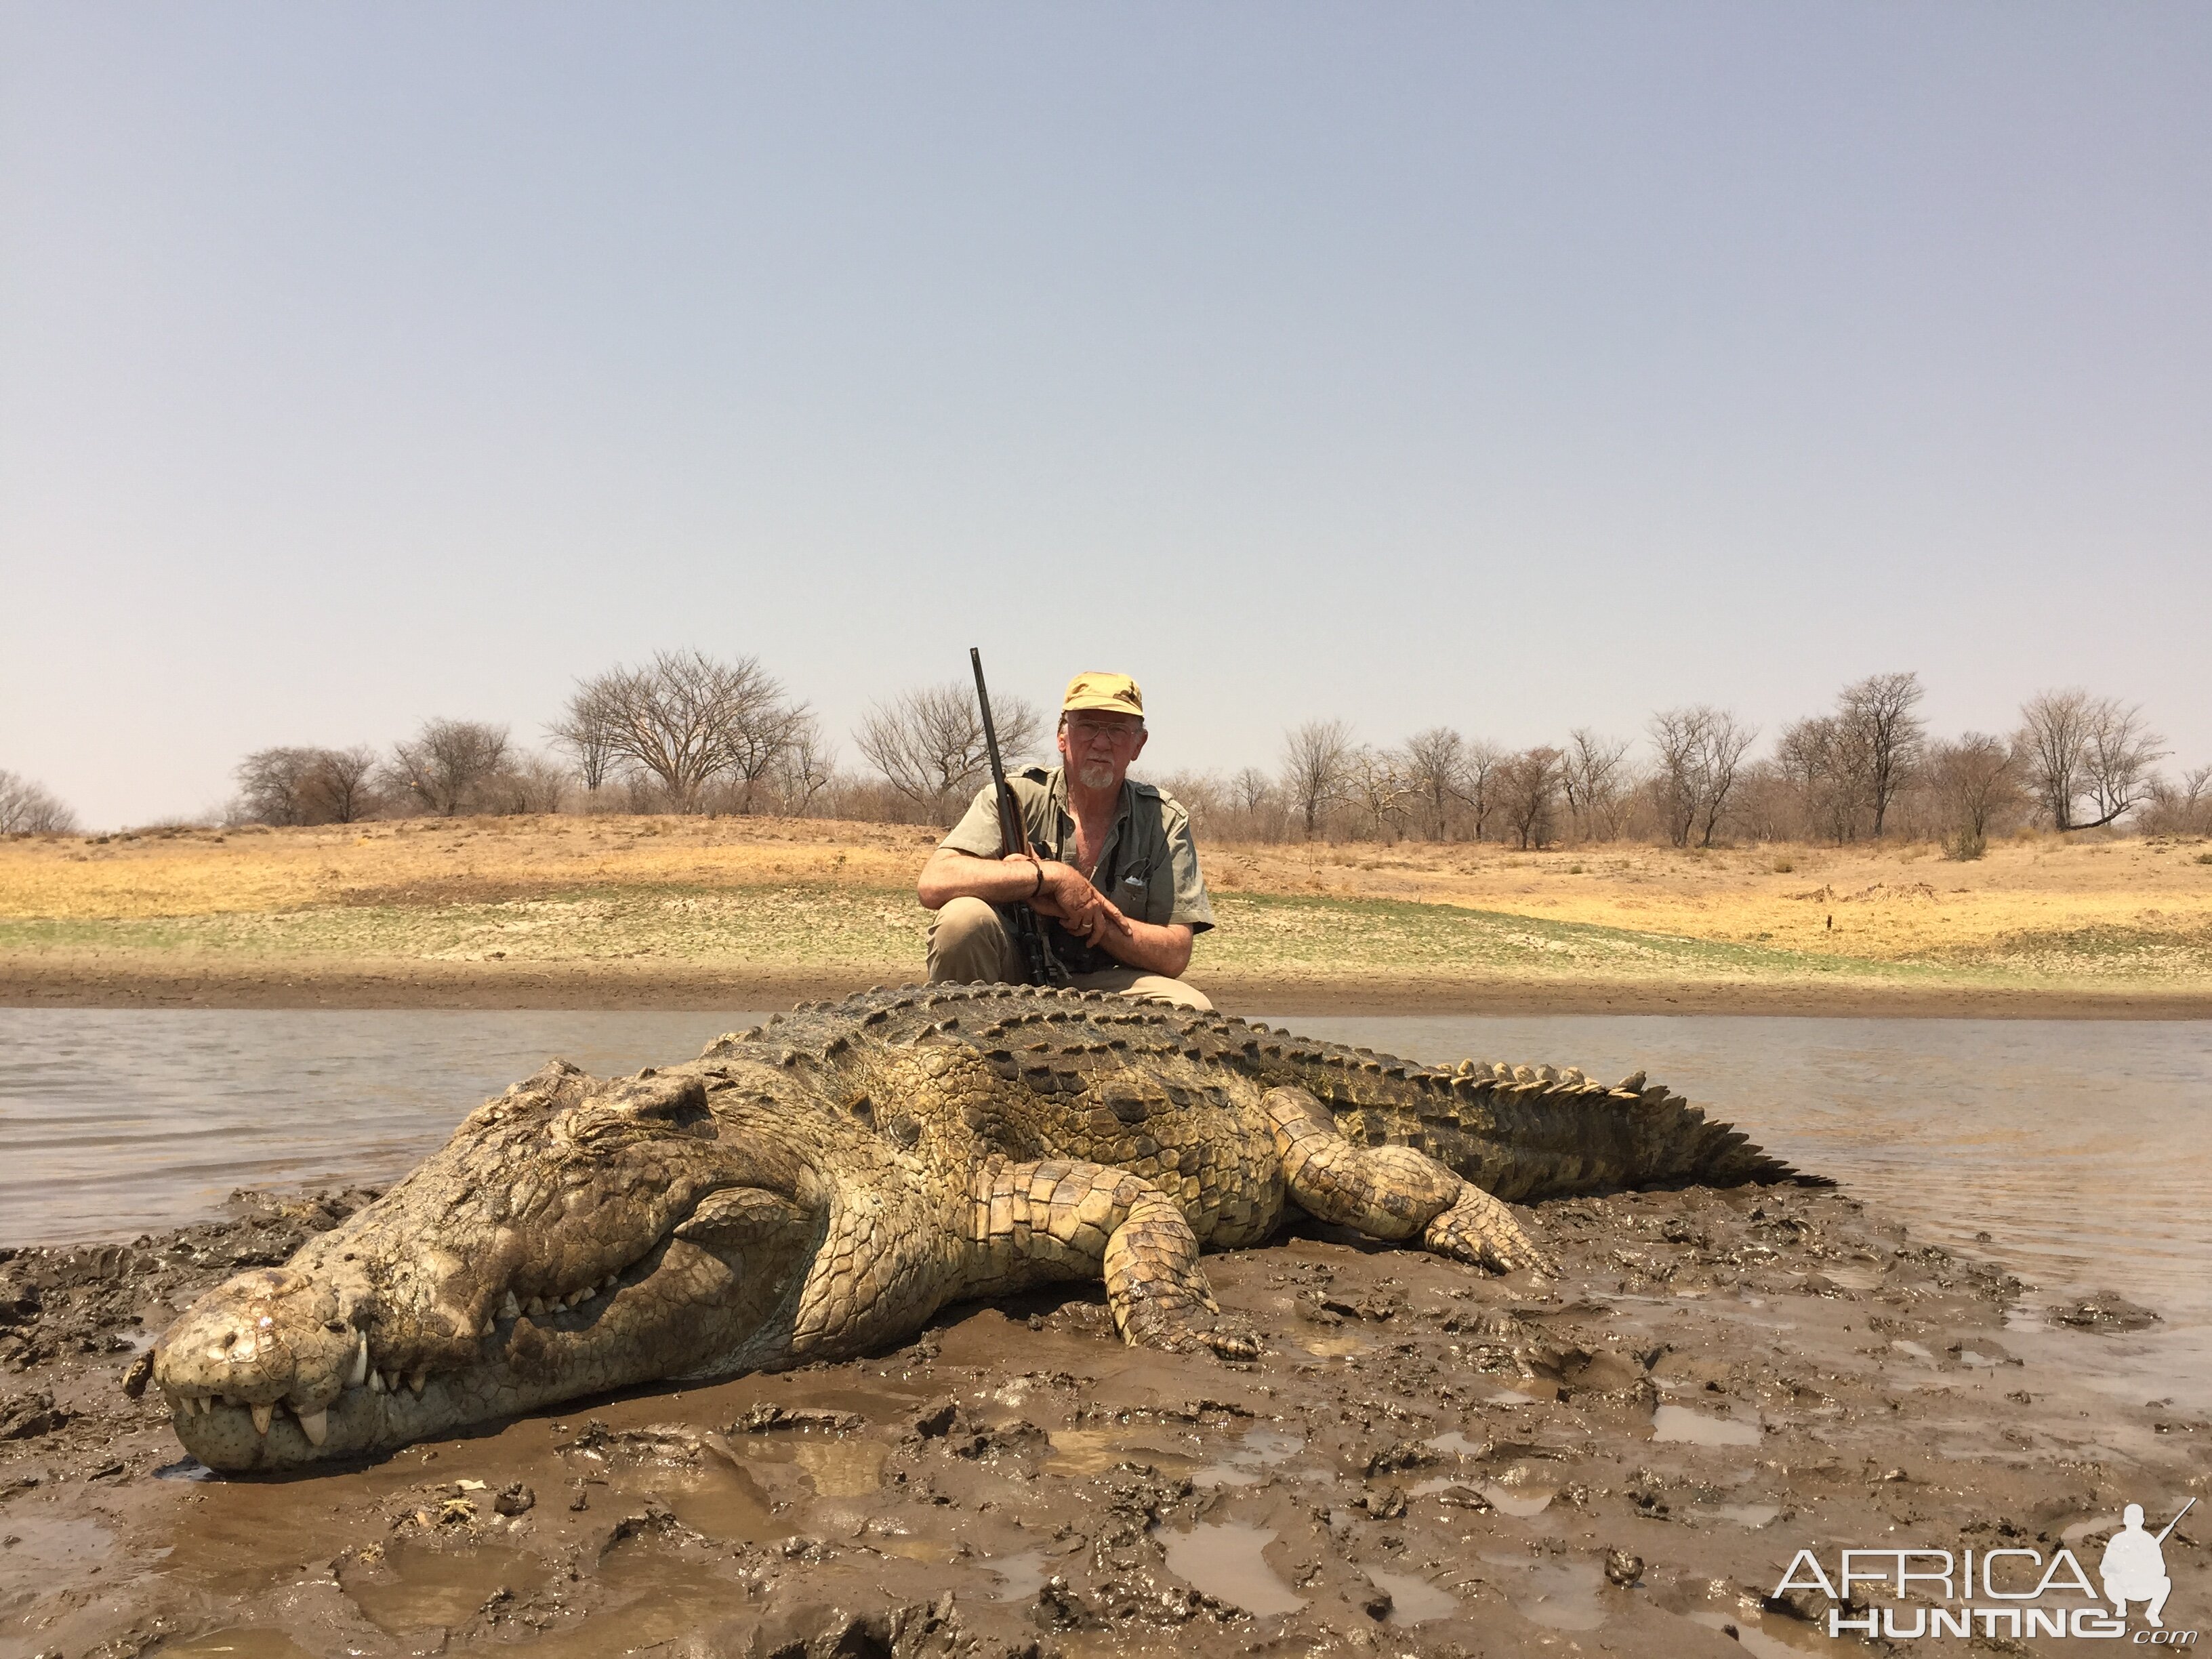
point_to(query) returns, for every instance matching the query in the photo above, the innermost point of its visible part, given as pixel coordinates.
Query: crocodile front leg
(1392, 1192)
(1065, 1218)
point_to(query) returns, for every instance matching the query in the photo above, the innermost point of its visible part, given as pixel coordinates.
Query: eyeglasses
(1083, 732)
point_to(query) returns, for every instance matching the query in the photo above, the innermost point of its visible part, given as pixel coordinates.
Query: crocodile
(819, 1186)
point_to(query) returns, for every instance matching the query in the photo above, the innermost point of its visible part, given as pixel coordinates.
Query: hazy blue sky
(1520, 367)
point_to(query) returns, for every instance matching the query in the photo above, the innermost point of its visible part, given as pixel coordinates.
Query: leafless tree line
(689, 732)
(31, 809)
(1867, 768)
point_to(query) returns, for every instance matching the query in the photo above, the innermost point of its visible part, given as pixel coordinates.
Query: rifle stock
(1044, 968)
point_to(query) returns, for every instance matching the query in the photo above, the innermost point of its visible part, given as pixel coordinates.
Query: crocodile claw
(1479, 1229)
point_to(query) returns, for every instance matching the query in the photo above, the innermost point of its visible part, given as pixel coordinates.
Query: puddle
(1556, 1594)
(1458, 1443)
(245, 1643)
(841, 1469)
(721, 1500)
(1522, 1503)
(1680, 1422)
(835, 1465)
(1078, 1452)
(662, 1604)
(1332, 1347)
(1247, 1464)
(908, 1547)
(1414, 1600)
(41, 1552)
(1748, 1635)
(1748, 1515)
(414, 1587)
(1222, 1559)
(2080, 1529)
(1913, 1351)
(1020, 1576)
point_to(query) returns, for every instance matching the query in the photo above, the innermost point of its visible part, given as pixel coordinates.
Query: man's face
(1096, 746)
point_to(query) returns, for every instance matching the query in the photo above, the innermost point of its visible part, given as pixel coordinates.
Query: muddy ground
(1425, 1461)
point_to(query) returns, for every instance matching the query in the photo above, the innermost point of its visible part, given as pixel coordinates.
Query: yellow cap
(1115, 692)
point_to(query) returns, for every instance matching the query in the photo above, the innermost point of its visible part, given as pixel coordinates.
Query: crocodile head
(572, 1237)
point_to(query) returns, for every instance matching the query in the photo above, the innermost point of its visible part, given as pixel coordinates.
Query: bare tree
(1376, 784)
(1431, 763)
(443, 765)
(1477, 772)
(685, 718)
(341, 786)
(2054, 739)
(1590, 774)
(1315, 756)
(31, 809)
(1976, 777)
(1879, 713)
(1701, 751)
(1251, 789)
(928, 743)
(2074, 744)
(587, 730)
(803, 770)
(2116, 763)
(2183, 808)
(272, 785)
(1527, 788)
(1825, 761)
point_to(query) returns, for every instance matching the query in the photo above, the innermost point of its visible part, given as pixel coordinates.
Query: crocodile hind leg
(1065, 1218)
(1392, 1192)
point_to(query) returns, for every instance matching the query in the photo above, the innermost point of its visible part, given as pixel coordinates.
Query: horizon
(1513, 371)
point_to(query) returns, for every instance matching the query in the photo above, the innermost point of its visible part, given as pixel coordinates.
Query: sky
(1512, 367)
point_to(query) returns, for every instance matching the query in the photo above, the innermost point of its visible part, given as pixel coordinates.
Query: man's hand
(1068, 898)
(1103, 926)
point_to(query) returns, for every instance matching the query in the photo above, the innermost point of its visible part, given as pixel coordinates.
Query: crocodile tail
(1526, 1133)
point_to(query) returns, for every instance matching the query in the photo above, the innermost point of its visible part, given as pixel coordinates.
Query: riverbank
(1423, 1461)
(623, 913)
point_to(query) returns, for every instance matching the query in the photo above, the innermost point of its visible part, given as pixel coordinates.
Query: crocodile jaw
(686, 1310)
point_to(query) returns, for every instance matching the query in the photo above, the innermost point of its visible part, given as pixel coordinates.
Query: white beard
(1095, 775)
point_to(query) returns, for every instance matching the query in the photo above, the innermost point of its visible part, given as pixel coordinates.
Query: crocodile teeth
(510, 1308)
(537, 1305)
(376, 1383)
(262, 1414)
(415, 1380)
(316, 1425)
(358, 1373)
(574, 1296)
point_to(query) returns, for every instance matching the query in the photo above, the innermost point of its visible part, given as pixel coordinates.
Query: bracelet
(1039, 888)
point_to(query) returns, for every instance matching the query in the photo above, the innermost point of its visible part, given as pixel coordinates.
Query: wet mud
(1425, 1460)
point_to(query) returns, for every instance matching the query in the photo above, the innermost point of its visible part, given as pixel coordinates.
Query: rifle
(1044, 967)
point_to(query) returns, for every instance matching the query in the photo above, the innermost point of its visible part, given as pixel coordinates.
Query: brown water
(2074, 1152)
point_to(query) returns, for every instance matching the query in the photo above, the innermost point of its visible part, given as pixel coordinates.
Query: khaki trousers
(970, 942)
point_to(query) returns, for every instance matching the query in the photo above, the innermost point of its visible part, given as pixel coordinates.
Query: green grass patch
(803, 925)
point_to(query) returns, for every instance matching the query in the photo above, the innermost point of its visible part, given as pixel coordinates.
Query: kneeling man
(1113, 878)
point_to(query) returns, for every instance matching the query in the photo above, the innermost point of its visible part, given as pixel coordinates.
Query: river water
(2082, 1149)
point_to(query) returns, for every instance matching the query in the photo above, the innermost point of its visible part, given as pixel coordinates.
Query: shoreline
(483, 986)
(1462, 1461)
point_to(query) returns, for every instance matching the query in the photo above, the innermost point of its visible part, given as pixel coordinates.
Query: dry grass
(769, 892)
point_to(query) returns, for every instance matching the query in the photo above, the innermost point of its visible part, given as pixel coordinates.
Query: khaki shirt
(1148, 868)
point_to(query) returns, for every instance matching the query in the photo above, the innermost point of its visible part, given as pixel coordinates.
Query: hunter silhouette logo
(2134, 1567)
(2008, 1592)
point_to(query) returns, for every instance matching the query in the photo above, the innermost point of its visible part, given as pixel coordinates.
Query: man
(1115, 876)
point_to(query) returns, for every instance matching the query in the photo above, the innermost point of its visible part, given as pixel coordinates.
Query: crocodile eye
(335, 1326)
